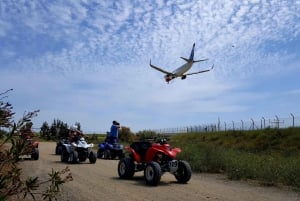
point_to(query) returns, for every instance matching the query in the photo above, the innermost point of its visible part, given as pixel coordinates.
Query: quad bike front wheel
(64, 157)
(126, 168)
(121, 155)
(92, 157)
(74, 157)
(100, 153)
(35, 155)
(58, 150)
(184, 172)
(152, 173)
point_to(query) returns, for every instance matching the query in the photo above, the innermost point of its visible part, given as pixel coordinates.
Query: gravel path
(100, 181)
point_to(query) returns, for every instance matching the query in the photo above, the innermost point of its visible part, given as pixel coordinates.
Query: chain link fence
(252, 124)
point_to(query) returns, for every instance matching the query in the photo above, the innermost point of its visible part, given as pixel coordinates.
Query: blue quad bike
(107, 150)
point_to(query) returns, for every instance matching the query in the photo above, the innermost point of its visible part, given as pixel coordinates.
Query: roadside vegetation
(269, 156)
(14, 143)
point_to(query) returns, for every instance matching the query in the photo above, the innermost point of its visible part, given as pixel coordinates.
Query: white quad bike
(78, 152)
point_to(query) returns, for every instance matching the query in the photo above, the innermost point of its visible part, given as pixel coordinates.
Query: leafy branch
(11, 183)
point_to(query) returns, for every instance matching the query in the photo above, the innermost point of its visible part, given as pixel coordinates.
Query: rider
(75, 134)
(26, 131)
(114, 132)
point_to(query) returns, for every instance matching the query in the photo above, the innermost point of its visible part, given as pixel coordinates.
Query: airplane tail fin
(192, 53)
(191, 59)
(191, 56)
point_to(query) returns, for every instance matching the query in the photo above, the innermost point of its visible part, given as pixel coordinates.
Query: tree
(125, 135)
(147, 135)
(45, 130)
(12, 183)
(59, 129)
(6, 113)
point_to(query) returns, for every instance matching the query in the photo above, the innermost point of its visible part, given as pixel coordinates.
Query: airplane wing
(159, 69)
(200, 60)
(203, 71)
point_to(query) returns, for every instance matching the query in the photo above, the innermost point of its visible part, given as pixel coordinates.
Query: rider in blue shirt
(114, 131)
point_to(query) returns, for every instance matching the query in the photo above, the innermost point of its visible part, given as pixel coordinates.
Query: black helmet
(115, 123)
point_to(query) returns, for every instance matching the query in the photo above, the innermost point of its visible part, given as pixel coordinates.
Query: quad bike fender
(135, 155)
(67, 147)
(172, 153)
(176, 150)
(74, 144)
(101, 145)
(35, 144)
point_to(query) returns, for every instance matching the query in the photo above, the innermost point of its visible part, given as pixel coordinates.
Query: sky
(87, 61)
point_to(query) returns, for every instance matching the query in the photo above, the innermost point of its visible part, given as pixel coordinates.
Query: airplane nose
(168, 79)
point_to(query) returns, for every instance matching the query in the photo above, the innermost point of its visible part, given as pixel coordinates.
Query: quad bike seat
(141, 148)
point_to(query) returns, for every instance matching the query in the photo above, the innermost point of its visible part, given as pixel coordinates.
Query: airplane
(180, 72)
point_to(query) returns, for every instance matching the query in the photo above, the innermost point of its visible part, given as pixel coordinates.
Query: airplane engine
(168, 78)
(183, 77)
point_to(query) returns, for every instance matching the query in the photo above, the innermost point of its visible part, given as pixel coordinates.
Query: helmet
(115, 123)
(73, 128)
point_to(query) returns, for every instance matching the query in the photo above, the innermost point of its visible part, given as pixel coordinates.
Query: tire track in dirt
(100, 181)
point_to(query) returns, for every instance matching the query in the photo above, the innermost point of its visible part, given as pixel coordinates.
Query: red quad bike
(154, 159)
(31, 149)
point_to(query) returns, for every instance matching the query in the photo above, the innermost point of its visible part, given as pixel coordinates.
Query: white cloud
(4, 28)
(95, 56)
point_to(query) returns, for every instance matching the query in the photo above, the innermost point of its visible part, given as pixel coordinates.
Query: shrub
(11, 183)
(244, 159)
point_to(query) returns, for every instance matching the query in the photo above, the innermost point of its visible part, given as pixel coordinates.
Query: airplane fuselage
(179, 72)
(183, 69)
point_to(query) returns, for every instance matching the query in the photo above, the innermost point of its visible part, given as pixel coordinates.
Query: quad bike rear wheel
(126, 168)
(106, 154)
(184, 172)
(100, 153)
(152, 173)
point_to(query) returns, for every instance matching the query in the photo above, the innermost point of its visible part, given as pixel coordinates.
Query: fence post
(277, 121)
(252, 125)
(264, 120)
(242, 125)
(293, 119)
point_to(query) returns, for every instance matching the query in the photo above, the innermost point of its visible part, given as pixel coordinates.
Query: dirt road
(100, 181)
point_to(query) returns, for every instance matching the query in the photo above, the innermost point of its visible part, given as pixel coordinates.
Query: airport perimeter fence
(252, 124)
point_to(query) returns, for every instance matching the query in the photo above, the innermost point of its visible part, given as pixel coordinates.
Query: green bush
(259, 155)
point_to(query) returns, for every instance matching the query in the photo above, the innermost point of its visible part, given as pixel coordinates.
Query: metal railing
(252, 124)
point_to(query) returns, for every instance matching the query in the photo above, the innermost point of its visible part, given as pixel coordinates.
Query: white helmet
(73, 128)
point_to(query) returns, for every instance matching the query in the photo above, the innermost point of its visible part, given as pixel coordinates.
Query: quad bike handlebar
(162, 141)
